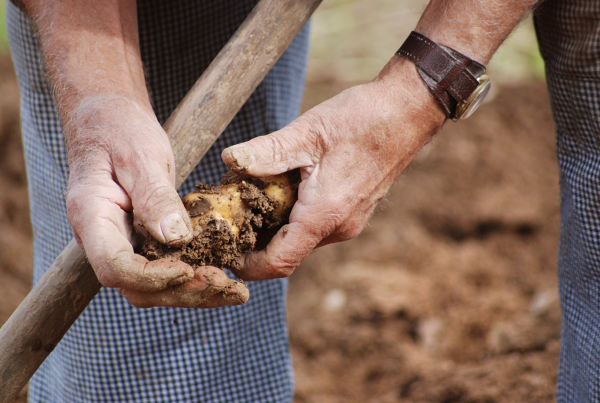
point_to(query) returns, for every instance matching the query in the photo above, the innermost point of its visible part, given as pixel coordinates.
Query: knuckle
(336, 217)
(316, 131)
(73, 197)
(352, 231)
(277, 147)
(138, 157)
(106, 276)
(310, 137)
(282, 272)
(342, 221)
(75, 202)
(320, 130)
(153, 197)
(139, 303)
(135, 301)
(280, 268)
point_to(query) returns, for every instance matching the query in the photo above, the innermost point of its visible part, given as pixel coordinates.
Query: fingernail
(173, 228)
(237, 294)
(243, 156)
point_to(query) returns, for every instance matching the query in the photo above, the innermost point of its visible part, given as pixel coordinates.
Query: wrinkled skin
(352, 147)
(121, 165)
(105, 198)
(349, 149)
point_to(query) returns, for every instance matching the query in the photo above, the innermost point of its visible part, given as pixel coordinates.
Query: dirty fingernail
(238, 294)
(233, 293)
(243, 156)
(173, 228)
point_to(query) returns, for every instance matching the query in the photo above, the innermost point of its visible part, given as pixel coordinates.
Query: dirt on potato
(229, 219)
(449, 295)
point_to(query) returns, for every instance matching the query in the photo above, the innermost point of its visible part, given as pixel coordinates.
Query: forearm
(350, 148)
(91, 50)
(121, 166)
(474, 28)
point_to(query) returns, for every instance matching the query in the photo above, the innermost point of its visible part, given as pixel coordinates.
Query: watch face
(465, 110)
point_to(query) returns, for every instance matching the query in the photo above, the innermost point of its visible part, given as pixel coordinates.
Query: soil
(228, 219)
(449, 295)
(16, 247)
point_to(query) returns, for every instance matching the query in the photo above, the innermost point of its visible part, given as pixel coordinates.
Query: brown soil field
(449, 295)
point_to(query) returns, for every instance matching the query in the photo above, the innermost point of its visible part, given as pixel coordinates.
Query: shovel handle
(57, 300)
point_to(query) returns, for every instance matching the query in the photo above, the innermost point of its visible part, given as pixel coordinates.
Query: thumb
(289, 148)
(157, 208)
(162, 214)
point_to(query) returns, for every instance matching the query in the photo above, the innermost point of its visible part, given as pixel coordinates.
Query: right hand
(122, 174)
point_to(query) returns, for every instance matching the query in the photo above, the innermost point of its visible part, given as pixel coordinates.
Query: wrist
(457, 82)
(468, 43)
(104, 123)
(403, 87)
(475, 29)
(91, 49)
(79, 78)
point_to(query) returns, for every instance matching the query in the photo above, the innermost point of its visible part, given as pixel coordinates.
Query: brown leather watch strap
(450, 76)
(19, 4)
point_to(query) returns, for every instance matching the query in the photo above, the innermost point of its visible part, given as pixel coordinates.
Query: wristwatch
(457, 82)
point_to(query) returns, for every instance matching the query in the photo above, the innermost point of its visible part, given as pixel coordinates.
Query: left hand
(349, 150)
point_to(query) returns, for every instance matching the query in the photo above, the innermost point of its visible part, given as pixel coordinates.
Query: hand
(349, 150)
(122, 172)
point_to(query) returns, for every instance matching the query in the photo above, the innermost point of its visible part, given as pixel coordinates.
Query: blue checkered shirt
(115, 352)
(569, 36)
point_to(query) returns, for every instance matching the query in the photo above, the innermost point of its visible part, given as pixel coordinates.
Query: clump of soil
(450, 293)
(241, 214)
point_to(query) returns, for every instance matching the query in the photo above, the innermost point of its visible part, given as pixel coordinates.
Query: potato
(241, 214)
(226, 205)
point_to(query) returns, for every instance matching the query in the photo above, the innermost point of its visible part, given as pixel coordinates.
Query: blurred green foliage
(518, 59)
(351, 40)
(3, 35)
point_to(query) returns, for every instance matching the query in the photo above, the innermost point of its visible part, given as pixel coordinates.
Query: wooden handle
(69, 285)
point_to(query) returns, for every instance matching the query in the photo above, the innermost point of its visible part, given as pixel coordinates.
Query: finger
(210, 288)
(288, 248)
(131, 271)
(105, 232)
(295, 146)
(159, 211)
(352, 225)
(146, 173)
